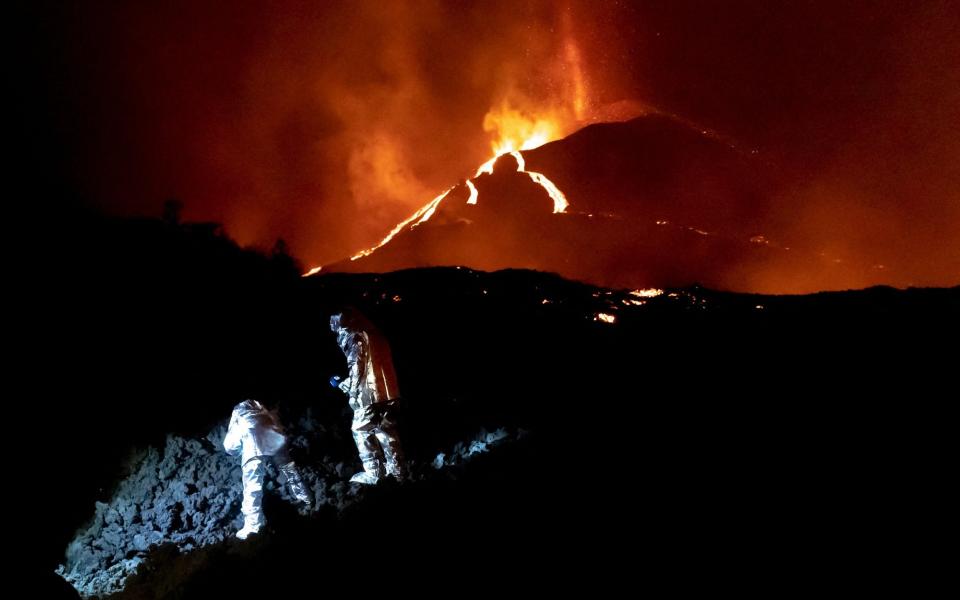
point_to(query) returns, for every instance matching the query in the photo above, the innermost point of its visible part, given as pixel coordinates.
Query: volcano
(650, 202)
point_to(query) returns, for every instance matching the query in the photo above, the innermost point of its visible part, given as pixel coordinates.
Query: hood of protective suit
(253, 431)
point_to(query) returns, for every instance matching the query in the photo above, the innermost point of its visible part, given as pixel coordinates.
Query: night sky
(325, 123)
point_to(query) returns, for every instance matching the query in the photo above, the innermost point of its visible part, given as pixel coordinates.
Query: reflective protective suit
(372, 391)
(255, 433)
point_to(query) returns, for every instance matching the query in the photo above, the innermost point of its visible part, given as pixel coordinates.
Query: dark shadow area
(702, 437)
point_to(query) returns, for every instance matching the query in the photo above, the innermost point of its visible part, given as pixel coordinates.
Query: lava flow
(518, 123)
(560, 202)
(539, 132)
(421, 216)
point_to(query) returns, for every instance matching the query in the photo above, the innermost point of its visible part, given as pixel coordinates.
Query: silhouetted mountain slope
(717, 433)
(652, 202)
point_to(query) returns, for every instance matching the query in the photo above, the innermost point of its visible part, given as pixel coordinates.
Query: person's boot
(371, 474)
(297, 488)
(392, 454)
(251, 525)
(396, 470)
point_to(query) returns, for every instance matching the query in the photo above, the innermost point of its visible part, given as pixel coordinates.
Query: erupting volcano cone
(650, 202)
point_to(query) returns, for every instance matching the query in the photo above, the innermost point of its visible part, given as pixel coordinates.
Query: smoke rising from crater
(328, 123)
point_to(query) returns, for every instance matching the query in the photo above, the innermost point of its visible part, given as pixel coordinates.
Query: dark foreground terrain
(700, 441)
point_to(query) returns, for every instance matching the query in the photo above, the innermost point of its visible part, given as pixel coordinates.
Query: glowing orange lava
(422, 215)
(521, 162)
(517, 130)
(486, 167)
(560, 202)
(473, 192)
(514, 130)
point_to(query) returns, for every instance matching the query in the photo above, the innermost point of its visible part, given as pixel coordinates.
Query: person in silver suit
(255, 434)
(373, 394)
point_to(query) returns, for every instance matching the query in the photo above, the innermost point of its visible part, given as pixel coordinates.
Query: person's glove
(335, 381)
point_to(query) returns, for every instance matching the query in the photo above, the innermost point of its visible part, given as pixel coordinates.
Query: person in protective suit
(373, 394)
(255, 434)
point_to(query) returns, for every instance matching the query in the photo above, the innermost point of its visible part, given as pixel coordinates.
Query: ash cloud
(328, 123)
(325, 124)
